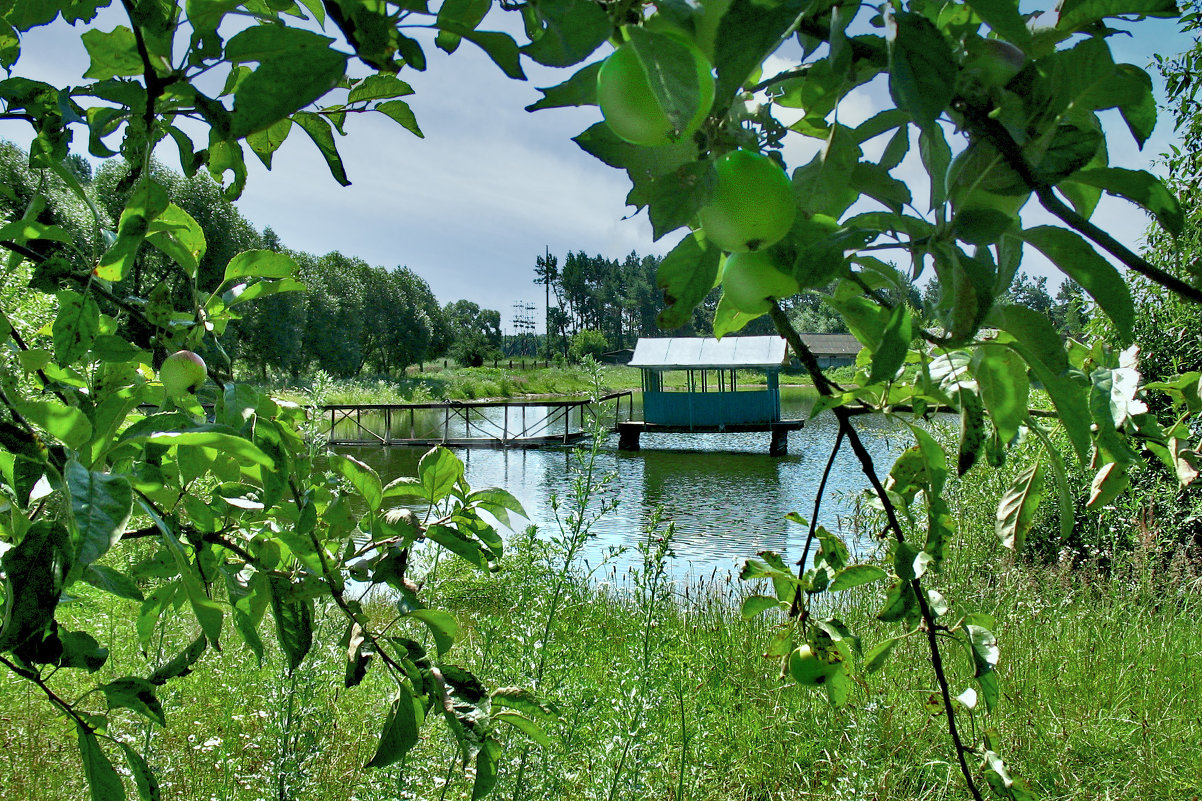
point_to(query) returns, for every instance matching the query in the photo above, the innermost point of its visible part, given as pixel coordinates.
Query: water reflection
(727, 497)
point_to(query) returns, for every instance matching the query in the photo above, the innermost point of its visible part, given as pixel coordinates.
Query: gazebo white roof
(701, 353)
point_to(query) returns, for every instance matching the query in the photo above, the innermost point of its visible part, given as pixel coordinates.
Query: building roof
(695, 353)
(832, 344)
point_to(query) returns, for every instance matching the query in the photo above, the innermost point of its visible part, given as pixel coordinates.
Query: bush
(588, 342)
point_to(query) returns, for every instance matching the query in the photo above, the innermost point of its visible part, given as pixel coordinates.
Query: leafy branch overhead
(999, 108)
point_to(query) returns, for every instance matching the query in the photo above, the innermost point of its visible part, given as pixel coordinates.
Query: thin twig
(843, 415)
(795, 609)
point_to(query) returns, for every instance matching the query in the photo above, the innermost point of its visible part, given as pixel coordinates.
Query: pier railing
(500, 424)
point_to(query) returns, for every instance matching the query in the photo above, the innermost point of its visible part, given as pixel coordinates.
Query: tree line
(352, 317)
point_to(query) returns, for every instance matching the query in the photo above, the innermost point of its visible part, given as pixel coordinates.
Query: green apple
(807, 668)
(752, 206)
(751, 281)
(631, 108)
(182, 373)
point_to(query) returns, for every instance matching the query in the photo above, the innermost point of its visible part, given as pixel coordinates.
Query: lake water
(727, 497)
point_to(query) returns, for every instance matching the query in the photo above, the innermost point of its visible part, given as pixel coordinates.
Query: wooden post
(505, 426)
(412, 428)
(446, 423)
(780, 441)
(388, 425)
(628, 435)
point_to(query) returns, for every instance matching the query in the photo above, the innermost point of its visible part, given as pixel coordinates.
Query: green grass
(1101, 685)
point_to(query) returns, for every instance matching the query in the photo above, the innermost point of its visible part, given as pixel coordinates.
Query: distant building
(833, 350)
(622, 356)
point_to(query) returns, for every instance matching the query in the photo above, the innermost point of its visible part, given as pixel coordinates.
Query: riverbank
(436, 383)
(662, 692)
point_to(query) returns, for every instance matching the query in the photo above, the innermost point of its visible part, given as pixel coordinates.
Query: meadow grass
(663, 693)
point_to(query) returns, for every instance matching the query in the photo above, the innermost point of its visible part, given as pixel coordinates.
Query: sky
(490, 187)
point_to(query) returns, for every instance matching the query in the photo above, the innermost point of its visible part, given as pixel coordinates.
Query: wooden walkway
(473, 424)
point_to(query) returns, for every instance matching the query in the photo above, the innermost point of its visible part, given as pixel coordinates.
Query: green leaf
(362, 477)
(674, 198)
(1002, 377)
(260, 264)
(459, 544)
(113, 54)
(381, 86)
(488, 762)
(439, 471)
(179, 236)
(405, 487)
(114, 582)
(441, 624)
(878, 654)
(572, 32)
(756, 605)
(822, 186)
(1016, 510)
(499, 47)
(295, 68)
(101, 504)
(75, 327)
(147, 202)
(1140, 187)
(686, 275)
(1112, 396)
(1037, 336)
(985, 652)
(400, 731)
(672, 75)
(293, 621)
(32, 230)
(181, 664)
(104, 783)
(131, 692)
(890, 355)
(81, 650)
(466, 710)
(748, 32)
(1076, 14)
(579, 90)
(64, 423)
(526, 726)
(1004, 19)
(854, 576)
(219, 437)
(527, 703)
(35, 569)
(922, 72)
(321, 132)
(1108, 483)
(497, 502)
(144, 778)
(399, 111)
(899, 603)
(264, 143)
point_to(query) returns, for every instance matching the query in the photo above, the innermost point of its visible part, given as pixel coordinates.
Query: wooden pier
(474, 424)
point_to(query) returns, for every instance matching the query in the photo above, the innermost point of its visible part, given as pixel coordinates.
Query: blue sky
(471, 206)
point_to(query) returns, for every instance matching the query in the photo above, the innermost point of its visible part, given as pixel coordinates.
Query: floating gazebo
(711, 399)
